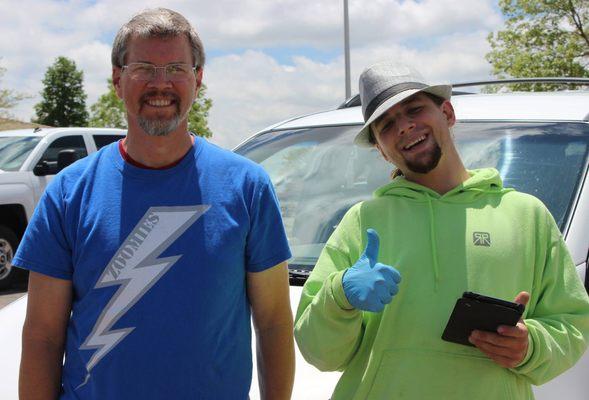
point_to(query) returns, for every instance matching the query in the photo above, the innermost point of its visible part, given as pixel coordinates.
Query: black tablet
(475, 311)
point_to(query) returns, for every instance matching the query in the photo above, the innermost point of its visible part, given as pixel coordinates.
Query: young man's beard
(426, 164)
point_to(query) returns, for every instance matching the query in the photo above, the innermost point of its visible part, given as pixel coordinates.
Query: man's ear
(199, 73)
(449, 113)
(381, 152)
(116, 81)
(376, 145)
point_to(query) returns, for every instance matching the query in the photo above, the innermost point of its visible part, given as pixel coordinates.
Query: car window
(319, 173)
(546, 160)
(103, 140)
(65, 142)
(15, 150)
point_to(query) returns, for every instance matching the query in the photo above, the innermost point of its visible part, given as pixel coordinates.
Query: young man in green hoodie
(357, 315)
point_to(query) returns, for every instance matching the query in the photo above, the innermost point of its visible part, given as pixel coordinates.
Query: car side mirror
(41, 169)
(65, 158)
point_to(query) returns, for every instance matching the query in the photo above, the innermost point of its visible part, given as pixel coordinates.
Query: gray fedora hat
(387, 83)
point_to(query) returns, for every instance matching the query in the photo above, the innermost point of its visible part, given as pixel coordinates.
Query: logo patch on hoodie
(481, 239)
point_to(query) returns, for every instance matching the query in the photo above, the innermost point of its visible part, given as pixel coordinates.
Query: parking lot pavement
(8, 296)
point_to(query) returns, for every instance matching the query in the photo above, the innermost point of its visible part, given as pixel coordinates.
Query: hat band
(388, 93)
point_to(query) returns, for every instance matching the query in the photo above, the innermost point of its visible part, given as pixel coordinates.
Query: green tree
(542, 38)
(64, 99)
(109, 110)
(8, 98)
(199, 114)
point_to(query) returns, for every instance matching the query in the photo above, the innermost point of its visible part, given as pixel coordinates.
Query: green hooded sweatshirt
(478, 237)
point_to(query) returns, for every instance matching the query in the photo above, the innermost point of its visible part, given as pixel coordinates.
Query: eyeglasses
(176, 72)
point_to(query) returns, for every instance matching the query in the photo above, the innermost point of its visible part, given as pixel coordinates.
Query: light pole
(347, 49)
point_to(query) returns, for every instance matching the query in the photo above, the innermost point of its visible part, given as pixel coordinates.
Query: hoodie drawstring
(481, 182)
(432, 233)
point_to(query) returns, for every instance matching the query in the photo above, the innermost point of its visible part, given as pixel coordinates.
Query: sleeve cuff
(337, 290)
(31, 266)
(528, 353)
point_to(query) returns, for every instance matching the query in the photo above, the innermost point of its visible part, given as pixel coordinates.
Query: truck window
(103, 140)
(66, 142)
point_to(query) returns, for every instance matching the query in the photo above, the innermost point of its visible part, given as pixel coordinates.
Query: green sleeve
(558, 315)
(328, 330)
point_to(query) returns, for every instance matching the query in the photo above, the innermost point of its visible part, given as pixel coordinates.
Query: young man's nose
(405, 124)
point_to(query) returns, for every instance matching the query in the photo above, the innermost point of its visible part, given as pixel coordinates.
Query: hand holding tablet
(493, 325)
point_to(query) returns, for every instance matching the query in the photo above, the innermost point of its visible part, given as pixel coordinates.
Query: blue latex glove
(368, 284)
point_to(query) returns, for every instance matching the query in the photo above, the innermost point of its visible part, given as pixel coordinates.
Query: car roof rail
(568, 81)
(354, 101)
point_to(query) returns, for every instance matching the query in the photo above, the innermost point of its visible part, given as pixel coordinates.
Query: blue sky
(266, 60)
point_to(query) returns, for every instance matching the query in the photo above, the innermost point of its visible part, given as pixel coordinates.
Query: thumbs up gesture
(368, 284)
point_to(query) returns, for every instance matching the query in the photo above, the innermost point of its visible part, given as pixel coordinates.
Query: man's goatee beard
(159, 127)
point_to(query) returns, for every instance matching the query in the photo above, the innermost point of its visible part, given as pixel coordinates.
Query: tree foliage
(8, 98)
(63, 98)
(199, 114)
(109, 110)
(542, 38)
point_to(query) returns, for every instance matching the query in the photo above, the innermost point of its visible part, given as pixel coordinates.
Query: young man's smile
(415, 143)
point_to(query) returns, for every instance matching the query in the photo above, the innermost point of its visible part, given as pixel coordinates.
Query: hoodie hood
(481, 181)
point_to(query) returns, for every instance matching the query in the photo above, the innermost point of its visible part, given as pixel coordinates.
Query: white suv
(539, 142)
(29, 159)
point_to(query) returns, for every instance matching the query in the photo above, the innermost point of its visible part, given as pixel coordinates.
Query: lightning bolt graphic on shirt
(136, 268)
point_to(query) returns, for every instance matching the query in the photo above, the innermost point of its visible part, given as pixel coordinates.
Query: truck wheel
(8, 243)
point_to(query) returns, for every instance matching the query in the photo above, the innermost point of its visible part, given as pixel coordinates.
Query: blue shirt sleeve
(44, 247)
(267, 244)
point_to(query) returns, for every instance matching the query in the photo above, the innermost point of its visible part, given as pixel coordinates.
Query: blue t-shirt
(158, 262)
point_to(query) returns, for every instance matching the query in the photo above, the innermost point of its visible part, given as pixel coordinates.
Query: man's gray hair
(159, 23)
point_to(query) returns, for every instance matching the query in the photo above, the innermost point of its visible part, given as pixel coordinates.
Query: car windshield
(319, 173)
(14, 150)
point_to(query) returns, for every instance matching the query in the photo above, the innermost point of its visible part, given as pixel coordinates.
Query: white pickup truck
(29, 158)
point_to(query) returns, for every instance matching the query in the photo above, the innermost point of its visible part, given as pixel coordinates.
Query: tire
(8, 242)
